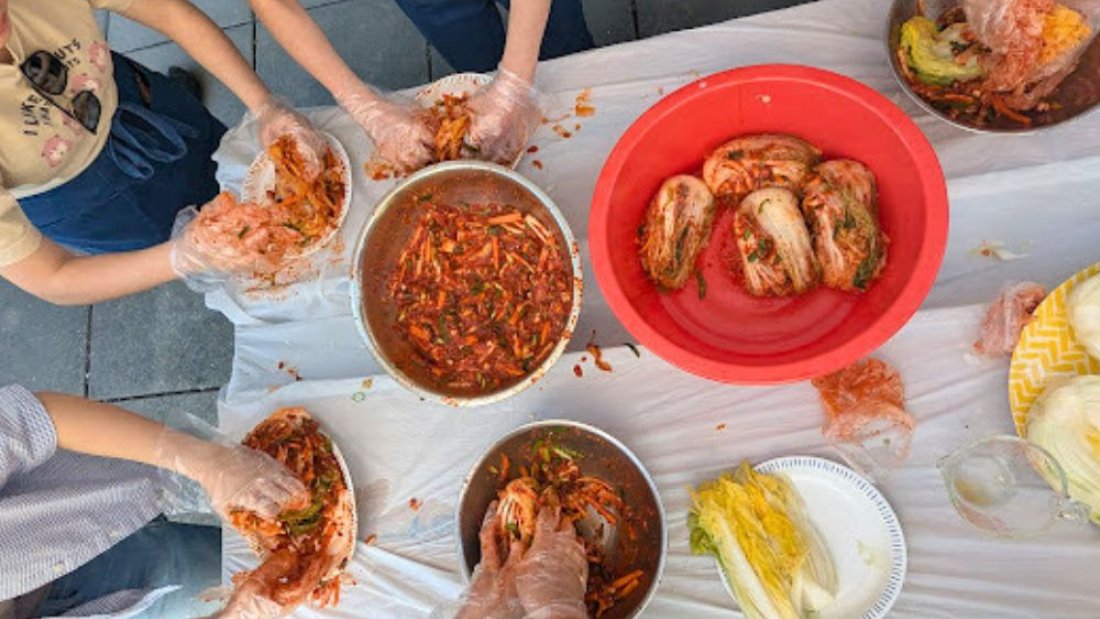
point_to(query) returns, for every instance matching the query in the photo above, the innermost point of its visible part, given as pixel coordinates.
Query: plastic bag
(1020, 66)
(1006, 318)
(866, 421)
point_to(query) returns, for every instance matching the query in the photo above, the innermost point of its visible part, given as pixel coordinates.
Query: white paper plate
(354, 529)
(261, 178)
(354, 505)
(859, 528)
(456, 85)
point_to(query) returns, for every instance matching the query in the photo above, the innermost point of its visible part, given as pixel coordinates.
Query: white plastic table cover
(1034, 195)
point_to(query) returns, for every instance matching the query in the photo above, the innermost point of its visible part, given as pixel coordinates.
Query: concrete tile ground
(221, 101)
(163, 350)
(174, 409)
(42, 347)
(373, 36)
(160, 341)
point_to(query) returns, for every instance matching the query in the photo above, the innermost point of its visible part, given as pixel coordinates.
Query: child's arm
(201, 38)
(233, 476)
(53, 274)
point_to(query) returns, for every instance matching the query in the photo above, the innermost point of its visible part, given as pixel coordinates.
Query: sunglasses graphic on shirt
(50, 78)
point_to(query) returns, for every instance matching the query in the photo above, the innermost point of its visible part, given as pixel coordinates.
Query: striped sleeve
(27, 434)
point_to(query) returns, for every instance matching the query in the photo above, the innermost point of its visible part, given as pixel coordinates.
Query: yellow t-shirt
(41, 146)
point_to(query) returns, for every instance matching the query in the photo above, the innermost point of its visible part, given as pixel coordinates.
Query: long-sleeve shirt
(59, 509)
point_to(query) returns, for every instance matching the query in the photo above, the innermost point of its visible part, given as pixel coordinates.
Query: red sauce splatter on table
(578, 371)
(583, 104)
(597, 357)
(414, 504)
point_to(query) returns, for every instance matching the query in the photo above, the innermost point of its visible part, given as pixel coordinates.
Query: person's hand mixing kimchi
(546, 581)
(248, 602)
(276, 119)
(492, 593)
(552, 576)
(504, 115)
(402, 138)
(226, 238)
(233, 476)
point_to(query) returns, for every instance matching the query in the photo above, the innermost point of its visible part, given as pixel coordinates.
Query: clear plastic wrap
(1035, 43)
(1006, 318)
(866, 420)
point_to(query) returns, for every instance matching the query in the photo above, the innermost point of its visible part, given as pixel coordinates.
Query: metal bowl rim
(356, 291)
(465, 571)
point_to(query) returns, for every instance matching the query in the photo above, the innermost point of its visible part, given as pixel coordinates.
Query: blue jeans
(159, 554)
(470, 33)
(156, 162)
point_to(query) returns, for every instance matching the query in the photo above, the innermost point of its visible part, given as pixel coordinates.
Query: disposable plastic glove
(504, 115)
(277, 119)
(233, 476)
(552, 577)
(402, 138)
(208, 256)
(492, 593)
(248, 602)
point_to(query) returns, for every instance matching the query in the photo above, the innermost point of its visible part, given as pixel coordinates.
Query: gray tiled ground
(219, 99)
(173, 409)
(160, 341)
(42, 346)
(125, 35)
(373, 36)
(610, 21)
(163, 350)
(658, 16)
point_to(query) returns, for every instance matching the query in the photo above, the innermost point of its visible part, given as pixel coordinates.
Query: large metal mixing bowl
(1079, 94)
(603, 457)
(384, 237)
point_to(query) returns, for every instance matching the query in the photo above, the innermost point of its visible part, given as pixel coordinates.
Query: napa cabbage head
(755, 525)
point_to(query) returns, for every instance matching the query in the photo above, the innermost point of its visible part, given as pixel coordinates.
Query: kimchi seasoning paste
(482, 293)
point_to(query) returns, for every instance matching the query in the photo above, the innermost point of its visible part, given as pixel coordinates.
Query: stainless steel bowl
(385, 235)
(1079, 94)
(604, 457)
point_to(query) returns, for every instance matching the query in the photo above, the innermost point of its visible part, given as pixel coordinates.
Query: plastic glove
(248, 603)
(232, 239)
(552, 577)
(277, 119)
(402, 138)
(233, 476)
(505, 114)
(492, 593)
(190, 260)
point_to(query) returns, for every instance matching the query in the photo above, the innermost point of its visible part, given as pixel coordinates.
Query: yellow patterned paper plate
(1047, 351)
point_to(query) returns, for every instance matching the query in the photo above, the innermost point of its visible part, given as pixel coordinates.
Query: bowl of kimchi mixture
(466, 283)
(1043, 72)
(604, 491)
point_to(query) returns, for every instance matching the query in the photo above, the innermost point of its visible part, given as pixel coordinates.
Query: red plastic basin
(728, 335)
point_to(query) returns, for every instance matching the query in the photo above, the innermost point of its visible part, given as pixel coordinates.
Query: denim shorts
(160, 554)
(156, 162)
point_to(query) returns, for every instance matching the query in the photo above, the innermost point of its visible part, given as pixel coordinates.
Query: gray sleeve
(27, 435)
